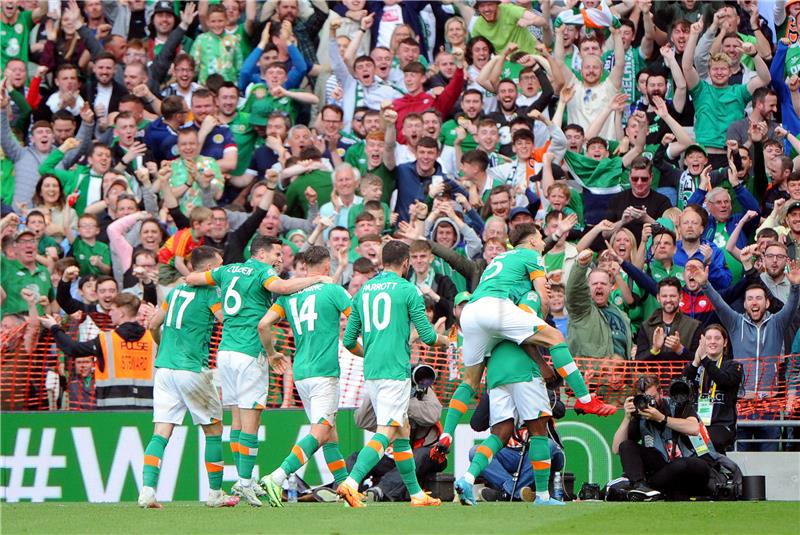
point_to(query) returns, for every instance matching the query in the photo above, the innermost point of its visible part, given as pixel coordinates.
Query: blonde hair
(673, 214)
(631, 237)
(719, 57)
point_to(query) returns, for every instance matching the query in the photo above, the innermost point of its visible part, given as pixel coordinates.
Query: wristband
(654, 351)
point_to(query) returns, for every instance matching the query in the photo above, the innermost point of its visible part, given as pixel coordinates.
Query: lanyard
(714, 385)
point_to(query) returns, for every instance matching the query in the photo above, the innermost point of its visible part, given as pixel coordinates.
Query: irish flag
(595, 18)
(600, 177)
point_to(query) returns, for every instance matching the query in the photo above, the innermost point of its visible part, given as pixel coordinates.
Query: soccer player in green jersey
(184, 382)
(516, 393)
(313, 315)
(381, 312)
(247, 290)
(491, 317)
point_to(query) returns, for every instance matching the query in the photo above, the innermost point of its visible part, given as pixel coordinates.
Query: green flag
(600, 177)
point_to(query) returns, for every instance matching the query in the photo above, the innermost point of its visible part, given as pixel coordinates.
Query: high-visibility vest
(127, 380)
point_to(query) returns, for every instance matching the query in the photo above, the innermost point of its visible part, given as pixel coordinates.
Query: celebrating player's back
(381, 312)
(313, 314)
(183, 381)
(247, 290)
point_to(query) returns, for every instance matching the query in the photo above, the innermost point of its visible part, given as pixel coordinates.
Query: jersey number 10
(381, 312)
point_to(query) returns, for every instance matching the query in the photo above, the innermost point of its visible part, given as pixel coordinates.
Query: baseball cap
(792, 205)
(461, 297)
(163, 6)
(519, 210)
(22, 233)
(695, 147)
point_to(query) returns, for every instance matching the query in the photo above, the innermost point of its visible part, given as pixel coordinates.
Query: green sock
(336, 464)
(539, 456)
(462, 397)
(483, 455)
(235, 447)
(248, 451)
(152, 460)
(369, 456)
(404, 459)
(566, 368)
(214, 464)
(299, 455)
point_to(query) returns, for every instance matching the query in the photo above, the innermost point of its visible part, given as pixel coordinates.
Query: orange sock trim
(402, 455)
(540, 465)
(336, 465)
(375, 445)
(214, 467)
(152, 460)
(297, 451)
(485, 451)
(458, 405)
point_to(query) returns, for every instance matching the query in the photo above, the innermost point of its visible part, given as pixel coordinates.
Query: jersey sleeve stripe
(526, 308)
(215, 307)
(276, 308)
(164, 306)
(536, 274)
(209, 279)
(347, 311)
(269, 281)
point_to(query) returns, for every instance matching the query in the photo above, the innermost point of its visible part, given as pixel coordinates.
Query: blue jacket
(718, 273)
(791, 122)
(409, 186)
(251, 75)
(746, 200)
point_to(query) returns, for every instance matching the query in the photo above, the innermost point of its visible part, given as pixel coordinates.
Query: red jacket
(425, 101)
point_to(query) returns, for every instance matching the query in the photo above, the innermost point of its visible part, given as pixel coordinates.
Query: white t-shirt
(392, 17)
(103, 96)
(588, 103)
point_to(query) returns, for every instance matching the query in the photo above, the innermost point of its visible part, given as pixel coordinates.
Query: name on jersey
(241, 269)
(380, 286)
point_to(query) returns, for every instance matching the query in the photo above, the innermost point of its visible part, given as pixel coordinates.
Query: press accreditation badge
(704, 409)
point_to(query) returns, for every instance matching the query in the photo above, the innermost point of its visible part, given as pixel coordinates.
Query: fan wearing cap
(23, 271)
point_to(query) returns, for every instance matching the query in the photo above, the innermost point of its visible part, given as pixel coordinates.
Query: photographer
(718, 377)
(654, 444)
(424, 412)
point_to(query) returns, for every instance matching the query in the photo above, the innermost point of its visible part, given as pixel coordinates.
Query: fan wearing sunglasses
(632, 208)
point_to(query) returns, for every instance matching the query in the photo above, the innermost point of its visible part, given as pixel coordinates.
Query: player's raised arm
(156, 321)
(286, 287)
(200, 279)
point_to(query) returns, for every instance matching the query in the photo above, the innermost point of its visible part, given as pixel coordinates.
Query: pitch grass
(575, 518)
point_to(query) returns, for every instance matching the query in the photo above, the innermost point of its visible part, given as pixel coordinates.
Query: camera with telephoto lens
(422, 377)
(642, 401)
(681, 391)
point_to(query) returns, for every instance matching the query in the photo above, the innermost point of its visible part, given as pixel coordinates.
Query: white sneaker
(247, 493)
(217, 498)
(147, 499)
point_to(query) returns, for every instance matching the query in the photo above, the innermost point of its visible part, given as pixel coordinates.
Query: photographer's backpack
(725, 482)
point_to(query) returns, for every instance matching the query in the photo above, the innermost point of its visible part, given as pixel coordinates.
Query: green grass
(395, 518)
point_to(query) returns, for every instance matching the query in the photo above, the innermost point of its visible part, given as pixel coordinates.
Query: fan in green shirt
(23, 272)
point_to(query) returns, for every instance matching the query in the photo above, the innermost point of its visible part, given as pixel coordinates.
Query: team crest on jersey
(238, 128)
(260, 93)
(174, 150)
(18, 27)
(218, 138)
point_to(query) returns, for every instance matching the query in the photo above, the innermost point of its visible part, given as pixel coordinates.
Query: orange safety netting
(31, 366)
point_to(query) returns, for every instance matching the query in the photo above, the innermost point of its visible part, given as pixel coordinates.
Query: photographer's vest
(670, 444)
(127, 381)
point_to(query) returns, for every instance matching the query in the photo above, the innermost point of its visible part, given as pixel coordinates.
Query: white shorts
(489, 320)
(320, 397)
(176, 391)
(244, 380)
(389, 399)
(520, 401)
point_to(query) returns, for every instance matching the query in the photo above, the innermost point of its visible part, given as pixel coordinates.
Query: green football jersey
(188, 322)
(313, 315)
(513, 269)
(509, 363)
(245, 298)
(381, 312)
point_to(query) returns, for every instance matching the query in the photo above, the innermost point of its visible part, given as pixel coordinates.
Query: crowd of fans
(653, 142)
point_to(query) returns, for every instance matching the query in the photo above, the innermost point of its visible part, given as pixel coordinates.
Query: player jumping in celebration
(313, 314)
(381, 312)
(247, 290)
(491, 316)
(183, 380)
(517, 393)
